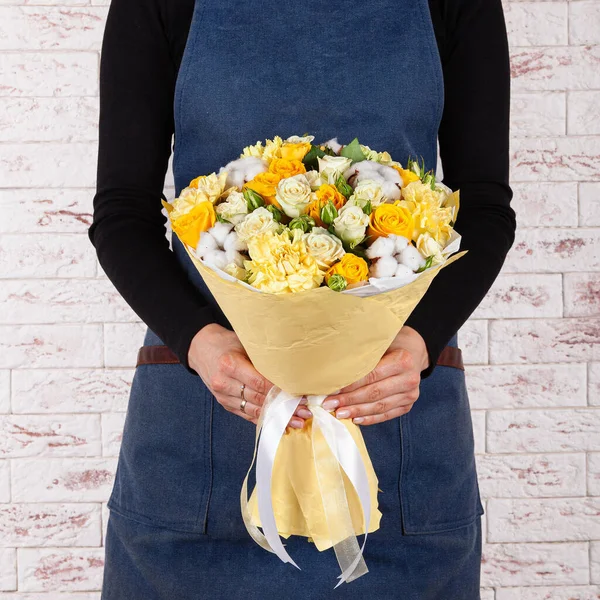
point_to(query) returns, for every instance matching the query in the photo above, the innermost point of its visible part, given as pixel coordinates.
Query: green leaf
(353, 151)
(367, 208)
(310, 159)
(222, 219)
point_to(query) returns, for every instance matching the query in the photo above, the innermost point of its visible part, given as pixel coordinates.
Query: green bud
(344, 187)
(277, 214)
(253, 200)
(329, 213)
(303, 222)
(427, 264)
(337, 282)
(429, 179)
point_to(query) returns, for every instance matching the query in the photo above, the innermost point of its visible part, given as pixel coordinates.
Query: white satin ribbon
(278, 409)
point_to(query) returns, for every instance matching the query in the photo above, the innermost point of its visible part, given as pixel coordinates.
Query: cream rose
(314, 179)
(350, 224)
(234, 209)
(324, 247)
(368, 190)
(294, 195)
(258, 221)
(331, 167)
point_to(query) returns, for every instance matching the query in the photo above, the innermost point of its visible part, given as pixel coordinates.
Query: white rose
(235, 271)
(323, 246)
(297, 139)
(314, 179)
(258, 221)
(234, 209)
(331, 167)
(428, 246)
(350, 224)
(294, 194)
(368, 190)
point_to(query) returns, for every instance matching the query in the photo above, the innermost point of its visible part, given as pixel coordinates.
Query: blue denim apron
(175, 532)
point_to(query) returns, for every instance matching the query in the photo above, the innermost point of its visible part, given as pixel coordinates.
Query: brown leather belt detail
(152, 355)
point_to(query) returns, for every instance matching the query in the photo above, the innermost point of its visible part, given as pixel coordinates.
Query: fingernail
(297, 423)
(358, 419)
(342, 414)
(330, 404)
(304, 413)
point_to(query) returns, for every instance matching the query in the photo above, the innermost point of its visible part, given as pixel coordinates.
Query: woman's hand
(219, 358)
(389, 390)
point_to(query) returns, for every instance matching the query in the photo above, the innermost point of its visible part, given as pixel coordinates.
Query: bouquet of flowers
(343, 241)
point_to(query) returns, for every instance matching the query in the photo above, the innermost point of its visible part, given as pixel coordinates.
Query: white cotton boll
(252, 170)
(206, 243)
(401, 243)
(216, 258)
(390, 174)
(233, 256)
(390, 190)
(383, 267)
(403, 271)
(412, 258)
(333, 144)
(233, 242)
(382, 246)
(219, 231)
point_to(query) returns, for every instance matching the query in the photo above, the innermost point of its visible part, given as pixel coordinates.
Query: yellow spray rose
(389, 219)
(211, 186)
(286, 167)
(190, 225)
(325, 193)
(265, 184)
(281, 264)
(352, 267)
(407, 175)
(294, 151)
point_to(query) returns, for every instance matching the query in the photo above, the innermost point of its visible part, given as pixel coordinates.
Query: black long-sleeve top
(141, 52)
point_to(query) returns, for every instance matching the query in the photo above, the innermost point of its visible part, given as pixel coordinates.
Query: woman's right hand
(219, 358)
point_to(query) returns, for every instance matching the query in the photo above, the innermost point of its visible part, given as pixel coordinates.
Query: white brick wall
(68, 341)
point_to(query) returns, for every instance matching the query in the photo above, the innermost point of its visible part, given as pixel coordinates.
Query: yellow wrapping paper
(314, 343)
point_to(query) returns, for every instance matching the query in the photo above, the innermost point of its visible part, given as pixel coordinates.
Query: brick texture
(68, 340)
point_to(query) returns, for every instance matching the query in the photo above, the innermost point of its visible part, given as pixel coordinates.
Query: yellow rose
(265, 184)
(295, 151)
(280, 264)
(189, 226)
(286, 167)
(352, 267)
(325, 193)
(390, 218)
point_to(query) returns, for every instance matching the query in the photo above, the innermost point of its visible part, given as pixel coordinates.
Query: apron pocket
(438, 477)
(164, 473)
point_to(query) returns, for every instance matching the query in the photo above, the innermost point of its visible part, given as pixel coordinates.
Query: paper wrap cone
(318, 341)
(315, 343)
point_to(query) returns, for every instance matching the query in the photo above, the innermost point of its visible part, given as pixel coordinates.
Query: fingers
(375, 393)
(385, 416)
(237, 366)
(392, 363)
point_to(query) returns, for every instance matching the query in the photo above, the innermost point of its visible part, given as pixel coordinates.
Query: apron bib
(251, 71)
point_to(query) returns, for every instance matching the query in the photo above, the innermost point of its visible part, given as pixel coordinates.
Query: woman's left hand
(390, 389)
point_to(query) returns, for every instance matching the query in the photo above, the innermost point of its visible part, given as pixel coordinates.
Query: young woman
(223, 75)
